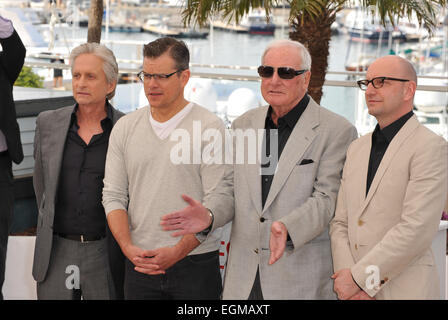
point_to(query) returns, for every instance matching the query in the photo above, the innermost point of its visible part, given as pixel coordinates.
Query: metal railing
(359, 112)
(443, 87)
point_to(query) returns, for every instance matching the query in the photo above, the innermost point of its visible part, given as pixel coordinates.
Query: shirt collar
(108, 118)
(391, 130)
(293, 116)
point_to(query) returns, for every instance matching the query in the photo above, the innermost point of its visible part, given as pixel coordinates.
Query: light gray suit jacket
(301, 196)
(49, 141)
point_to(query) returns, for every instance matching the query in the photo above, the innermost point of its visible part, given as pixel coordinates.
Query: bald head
(394, 66)
(395, 95)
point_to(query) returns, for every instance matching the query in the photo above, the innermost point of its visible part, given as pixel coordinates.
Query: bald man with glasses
(392, 194)
(279, 244)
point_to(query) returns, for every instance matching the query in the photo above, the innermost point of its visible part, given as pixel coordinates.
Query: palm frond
(424, 11)
(201, 10)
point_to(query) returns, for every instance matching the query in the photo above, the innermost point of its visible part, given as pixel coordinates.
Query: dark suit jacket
(49, 141)
(11, 62)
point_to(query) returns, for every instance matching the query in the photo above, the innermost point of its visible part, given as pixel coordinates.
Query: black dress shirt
(381, 138)
(78, 206)
(283, 130)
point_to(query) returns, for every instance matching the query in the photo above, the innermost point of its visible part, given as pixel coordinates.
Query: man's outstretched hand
(192, 219)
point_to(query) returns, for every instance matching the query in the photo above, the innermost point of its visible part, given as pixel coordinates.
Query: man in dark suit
(11, 62)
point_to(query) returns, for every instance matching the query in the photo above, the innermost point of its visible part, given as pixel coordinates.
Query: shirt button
(356, 246)
(256, 251)
(360, 222)
(262, 219)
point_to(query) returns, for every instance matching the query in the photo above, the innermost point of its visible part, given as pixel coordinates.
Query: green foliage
(27, 78)
(425, 10)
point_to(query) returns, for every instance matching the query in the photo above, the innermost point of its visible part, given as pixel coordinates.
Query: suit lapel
(300, 139)
(115, 115)
(363, 168)
(391, 151)
(53, 148)
(252, 171)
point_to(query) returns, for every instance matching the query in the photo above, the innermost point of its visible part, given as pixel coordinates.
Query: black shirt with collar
(381, 138)
(283, 130)
(79, 210)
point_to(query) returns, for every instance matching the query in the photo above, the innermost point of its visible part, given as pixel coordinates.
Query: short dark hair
(177, 49)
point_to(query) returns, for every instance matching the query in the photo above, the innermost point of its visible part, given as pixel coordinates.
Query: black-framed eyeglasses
(148, 76)
(283, 72)
(377, 82)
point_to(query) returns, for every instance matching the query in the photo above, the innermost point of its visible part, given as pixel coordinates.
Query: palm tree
(95, 21)
(312, 19)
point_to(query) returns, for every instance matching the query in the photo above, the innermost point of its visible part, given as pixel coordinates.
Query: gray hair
(305, 56)
(110, 66)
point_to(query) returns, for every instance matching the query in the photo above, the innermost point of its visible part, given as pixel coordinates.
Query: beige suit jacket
(391, 229)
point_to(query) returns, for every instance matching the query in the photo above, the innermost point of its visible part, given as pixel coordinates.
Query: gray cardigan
(142, 176)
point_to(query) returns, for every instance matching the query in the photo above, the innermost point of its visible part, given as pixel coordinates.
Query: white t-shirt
(164, 129)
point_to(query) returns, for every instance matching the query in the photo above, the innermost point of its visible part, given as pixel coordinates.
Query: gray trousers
(77, 270)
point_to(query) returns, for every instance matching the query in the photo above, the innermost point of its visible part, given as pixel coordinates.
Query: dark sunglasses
(283, 72)
(377, 82)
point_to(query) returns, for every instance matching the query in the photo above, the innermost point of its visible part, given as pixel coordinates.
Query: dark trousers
(192, 278)
(6, 211)
(116, 263)
(256, 293)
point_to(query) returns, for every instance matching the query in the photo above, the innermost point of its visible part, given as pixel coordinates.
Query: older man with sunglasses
(280, 246)
(392, 194)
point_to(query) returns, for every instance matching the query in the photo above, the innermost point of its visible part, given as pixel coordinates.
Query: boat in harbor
(413, 31)
(229, 26)
(119, 27)
(361, 64)
(361, 26)
(193, 34)
(252, 23)
(161, 27)
(257, 23)
(122, 23)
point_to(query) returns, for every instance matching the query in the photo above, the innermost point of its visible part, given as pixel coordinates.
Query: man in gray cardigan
(145, 178)
(279, 244)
